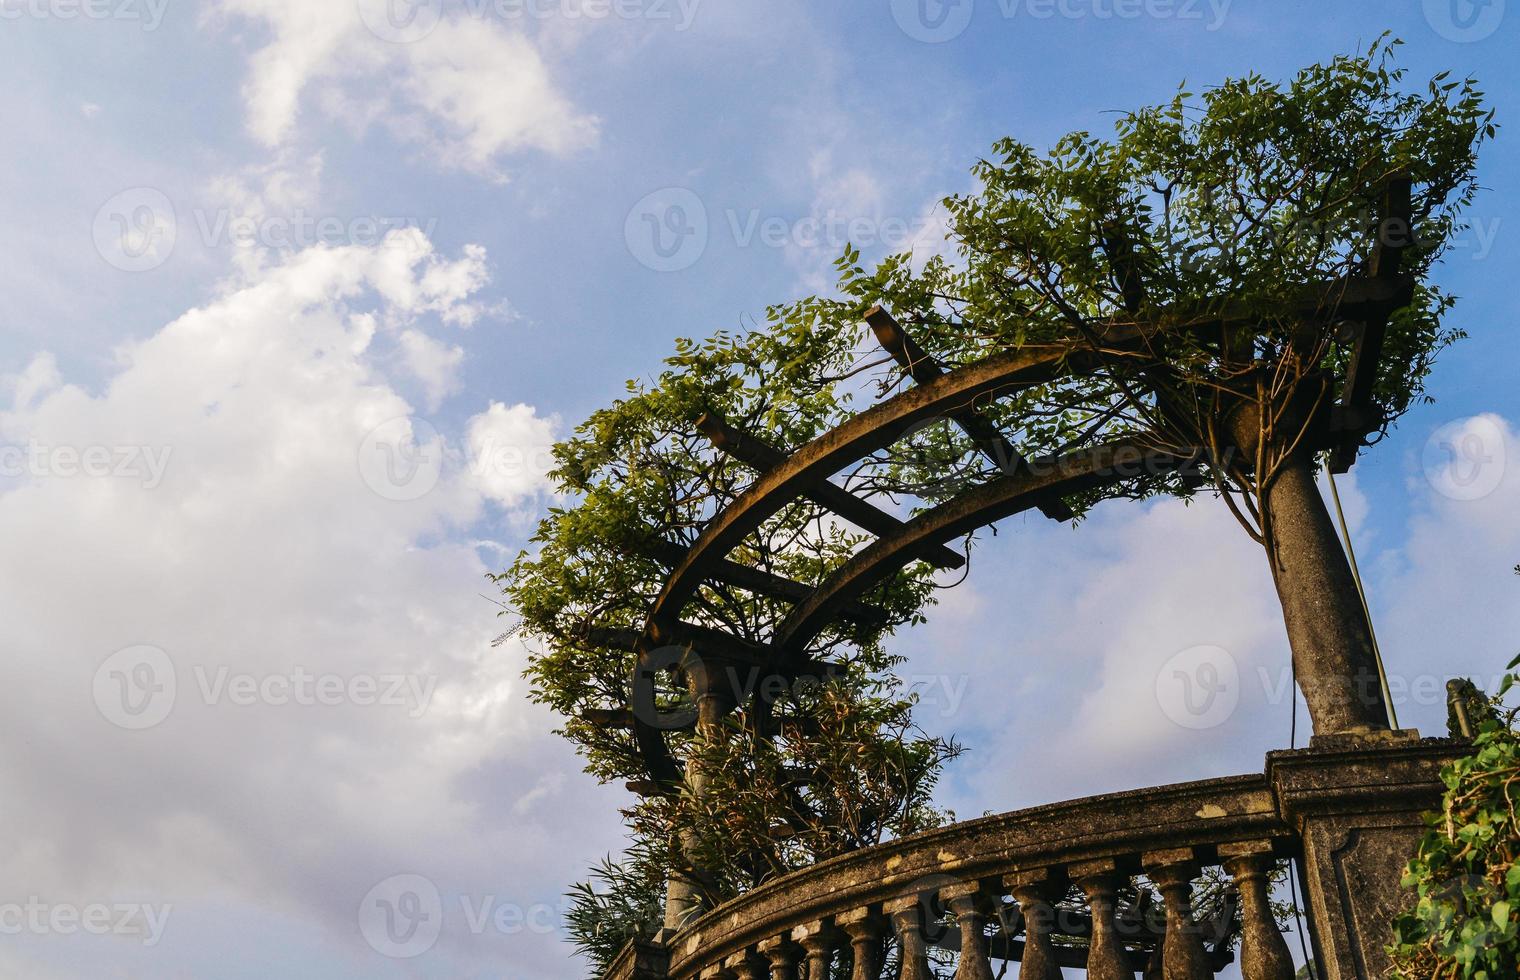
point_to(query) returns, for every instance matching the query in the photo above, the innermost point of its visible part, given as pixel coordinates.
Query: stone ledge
(640, 960)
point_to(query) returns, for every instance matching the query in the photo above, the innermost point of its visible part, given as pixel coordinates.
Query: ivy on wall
(1466, 924)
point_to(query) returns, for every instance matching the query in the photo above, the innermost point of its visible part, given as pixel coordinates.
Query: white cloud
(37, 378)
(510, 452)
(264, 552)
(1446, 595)
(433, 363)
(470, 90)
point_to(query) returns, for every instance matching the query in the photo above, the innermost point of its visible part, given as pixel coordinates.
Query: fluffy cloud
(433, 363)
(237, 544)
(469, 89)
(1445, 594)
(510, 449)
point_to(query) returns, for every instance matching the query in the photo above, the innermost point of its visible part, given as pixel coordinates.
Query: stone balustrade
(1054, 887)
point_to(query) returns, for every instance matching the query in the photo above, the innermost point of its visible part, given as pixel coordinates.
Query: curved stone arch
(964, 389)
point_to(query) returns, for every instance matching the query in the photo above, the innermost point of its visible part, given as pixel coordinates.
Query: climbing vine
(1466, 923)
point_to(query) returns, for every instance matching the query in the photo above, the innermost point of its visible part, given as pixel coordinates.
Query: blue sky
(202, 300)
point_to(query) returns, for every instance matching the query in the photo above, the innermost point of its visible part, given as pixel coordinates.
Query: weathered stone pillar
(1183, 956)
(1035, 894)
(712, 683)
(972, 907)
(909, 923)
(1264, 954)
(867, 929)
(1357, 801)
(1328, 632)
(1106, 959)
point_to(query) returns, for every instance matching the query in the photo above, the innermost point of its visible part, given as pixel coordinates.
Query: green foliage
(1240, 197)
(623, 900)
(1467, 869)
(1234, 199)
(847, 772)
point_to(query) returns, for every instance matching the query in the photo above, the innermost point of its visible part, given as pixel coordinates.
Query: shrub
(1466, 923)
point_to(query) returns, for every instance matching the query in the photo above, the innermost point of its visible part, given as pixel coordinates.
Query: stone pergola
(1346, 810)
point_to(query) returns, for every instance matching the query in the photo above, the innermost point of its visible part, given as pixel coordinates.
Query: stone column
(713, 689)
(1264, 954)
(867, 930)
(1356, 801)
(1035, 893)
(1106, 959)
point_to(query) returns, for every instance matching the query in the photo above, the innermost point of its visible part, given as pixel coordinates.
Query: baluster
(867, 930)
(746, 966)
(1183, 956)
(1034, 893)
(819, 940)
(1106, 959)
(1263, 951)
(783, 955)
(972, 907)
(908, 922)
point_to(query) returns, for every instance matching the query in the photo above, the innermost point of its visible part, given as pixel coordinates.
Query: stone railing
(1051, 887)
